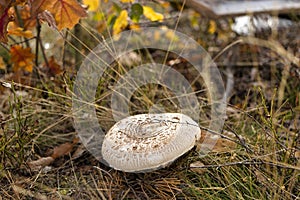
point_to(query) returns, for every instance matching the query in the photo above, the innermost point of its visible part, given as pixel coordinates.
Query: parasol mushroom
(146, 142)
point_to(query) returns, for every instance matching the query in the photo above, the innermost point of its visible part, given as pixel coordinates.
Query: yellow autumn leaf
(212, 27)
(127, 1)
(151, 14)
(20, 32)
(121, 22)
(92, 4)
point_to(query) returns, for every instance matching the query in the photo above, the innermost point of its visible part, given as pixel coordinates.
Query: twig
(4, 46)
(244, 162)
(41, 44)
(64, 51)
(248, 162)
(38, 30)
(241, 140)
(262, 127)
(23, 41)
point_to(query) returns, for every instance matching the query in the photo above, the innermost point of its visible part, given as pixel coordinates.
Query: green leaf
(136, 12)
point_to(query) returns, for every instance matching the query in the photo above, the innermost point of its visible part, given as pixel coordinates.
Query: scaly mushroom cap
(147, 142)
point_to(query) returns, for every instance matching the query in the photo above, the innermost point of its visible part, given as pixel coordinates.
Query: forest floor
(42, 158)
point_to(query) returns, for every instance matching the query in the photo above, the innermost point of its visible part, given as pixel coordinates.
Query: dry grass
(263, 164)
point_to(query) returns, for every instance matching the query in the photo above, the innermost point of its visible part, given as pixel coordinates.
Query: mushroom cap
(146, 142)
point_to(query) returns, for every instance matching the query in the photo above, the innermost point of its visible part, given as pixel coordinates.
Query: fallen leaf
(54, 67)
(222, 144)
(151, 14)
(28, 193)
(92, 4)
(40, 163)
(197, 167)
(121, 22)
(79, 152)
(66, 12)
(22, 58)
(64, 149)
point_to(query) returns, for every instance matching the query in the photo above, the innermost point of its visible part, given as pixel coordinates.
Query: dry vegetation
(258, 157)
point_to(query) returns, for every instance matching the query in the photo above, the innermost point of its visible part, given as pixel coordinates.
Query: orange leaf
(39, 6)
(22, 58)
(66, 12)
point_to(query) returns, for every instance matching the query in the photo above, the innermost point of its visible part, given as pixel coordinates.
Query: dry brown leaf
(67, 13)
(40, 163)
(54, 67)
(79, 152)
(196, 167)
(36, 195)
(63, 149)
(222, 144)
(38, 6)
